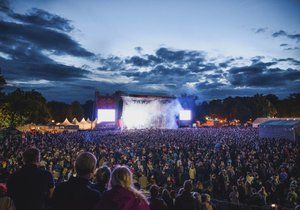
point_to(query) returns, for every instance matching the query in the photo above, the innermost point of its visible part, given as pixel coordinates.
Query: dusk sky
(67, 49)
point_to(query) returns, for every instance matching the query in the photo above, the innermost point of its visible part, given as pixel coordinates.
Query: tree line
(21, 107)
(249, 108)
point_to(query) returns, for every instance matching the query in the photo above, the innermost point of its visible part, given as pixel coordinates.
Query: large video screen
(106, 115)
(185, 115)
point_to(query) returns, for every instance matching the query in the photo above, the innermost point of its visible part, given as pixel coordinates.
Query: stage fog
(142, 113)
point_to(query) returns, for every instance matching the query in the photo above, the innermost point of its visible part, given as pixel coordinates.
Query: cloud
(139, 61)
(4, 6)
(283, 45)
(43, 18)
(13, 70)
(34, 45)
(43, 38)
(260, 75)
(292, 48)
(260, 30)
(290, 60)
(285, 34)
(139, 50)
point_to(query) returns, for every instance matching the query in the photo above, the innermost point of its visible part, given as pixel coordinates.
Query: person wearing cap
(77, 193)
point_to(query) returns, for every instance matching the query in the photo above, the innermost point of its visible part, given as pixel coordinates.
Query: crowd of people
(152, 168)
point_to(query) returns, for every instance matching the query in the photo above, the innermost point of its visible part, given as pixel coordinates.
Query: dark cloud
(290, 60)
(43, 38)
(179, 56)
(283, 45)
(260, 75)
(17, 70)
(193, 61)
(138, 49)
(226, 63)
(112, 63)
(204, 86)
(285, 34)
(26, 41)
(5, 6)
(260, 30)
(257, 59)
(45, 19)
(292, 48)
(29, 38)
(139, 61)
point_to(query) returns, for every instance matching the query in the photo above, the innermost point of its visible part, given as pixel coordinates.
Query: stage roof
(150, 96)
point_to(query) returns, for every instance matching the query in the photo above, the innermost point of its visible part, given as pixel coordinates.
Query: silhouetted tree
(58, 110)
(88, 108)
(75, 111)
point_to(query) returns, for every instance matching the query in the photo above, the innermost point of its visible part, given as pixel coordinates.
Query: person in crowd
(186, 200)
(77, 193)
(206, 205)
(166, 196)
(102, 179)
(192, 172)
(31, 187)
(256, 199)
(222, 157)
(143, 181)
(122, 195)
(234, 195)
(6, 202)
(156, 203)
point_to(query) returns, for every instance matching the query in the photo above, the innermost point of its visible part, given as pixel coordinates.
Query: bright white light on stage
(140, 113)
(185, 115)
(106, 115)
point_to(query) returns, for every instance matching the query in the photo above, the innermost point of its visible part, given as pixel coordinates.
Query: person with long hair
(122, 195)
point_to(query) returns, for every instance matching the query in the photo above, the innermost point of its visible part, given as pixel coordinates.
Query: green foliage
(5, 117)
(25, 107)
(243, 108)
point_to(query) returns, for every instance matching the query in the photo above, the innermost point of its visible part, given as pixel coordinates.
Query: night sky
(68, 48)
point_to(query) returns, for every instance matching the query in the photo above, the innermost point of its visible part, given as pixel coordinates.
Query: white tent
(75, 121)
(84, 125)
(94, 123)
(280, 129)
(88, 120)
(261, 120)
(66, 122)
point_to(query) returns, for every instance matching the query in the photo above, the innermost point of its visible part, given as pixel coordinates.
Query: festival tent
(75, 121)
(66, 122)
(260, 120)
(94, 123)
(84, 125)
(280, 129)
(88, 120)
(256, 123)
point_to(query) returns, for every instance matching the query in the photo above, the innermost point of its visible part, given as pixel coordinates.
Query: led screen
(185, 115)
(106, 115)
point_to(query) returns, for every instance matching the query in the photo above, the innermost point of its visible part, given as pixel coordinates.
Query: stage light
(185, 115)
(273, 206)
(106, 115)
